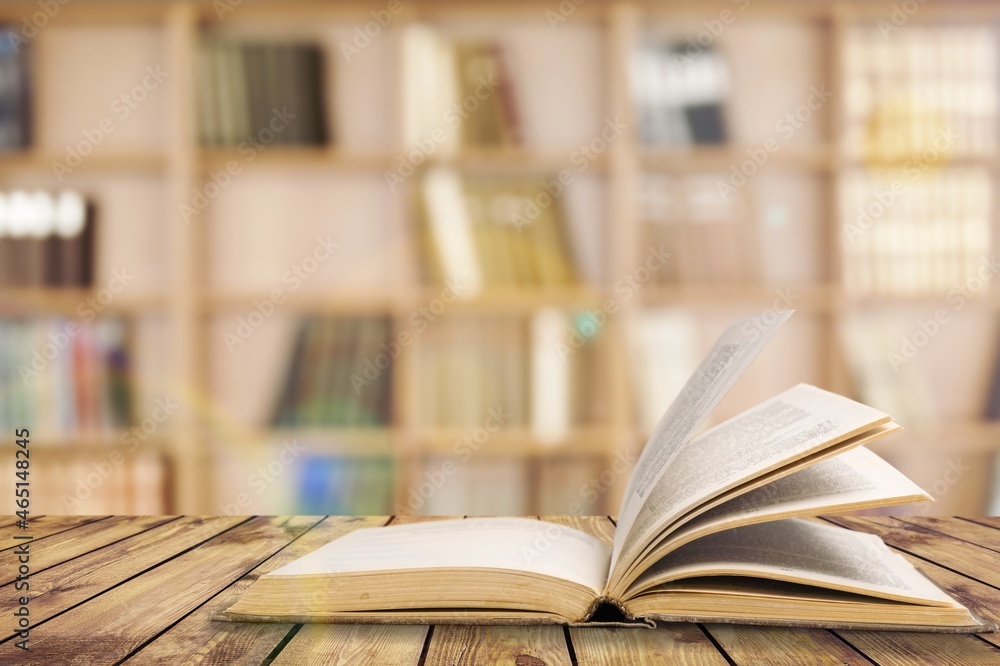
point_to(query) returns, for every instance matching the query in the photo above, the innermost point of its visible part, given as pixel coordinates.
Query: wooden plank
(781, 645)
(199, 639)
(962, 556)
(980, 598)
(87, 576)
(673, 643)
(914, 648)
(453, 645)
(68, 544)
(116, 623)
(989, 521)
(382, 644)
(42, 527)
(981, 535)
(910, 649)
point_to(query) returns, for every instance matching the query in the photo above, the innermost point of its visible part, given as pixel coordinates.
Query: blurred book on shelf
(15, 91)
(919, 234)
(456, 93)
(664, 347)
(993, 504)
(711, 239)
(46, 240)
(488, 232)
(573, 485)
(881, 376)
(251, 94)
(339, 374)
(134, 483)
(679, 96)
(475, 487)
(926, 95)
(65, 379)
(539, 372)
(341, 485)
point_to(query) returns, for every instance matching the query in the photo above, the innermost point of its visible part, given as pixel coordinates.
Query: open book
(711, 528)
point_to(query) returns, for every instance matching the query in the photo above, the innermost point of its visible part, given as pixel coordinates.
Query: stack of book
(925, 89)
(46, 240)
(338, 485)
(488, 233)
(97, 484)
(711, 239)
(62, 378)
(255, 94)
(15, 108)
(915, 236)
(540, 373)
(456, 93)
(339, 374)
(680, 96)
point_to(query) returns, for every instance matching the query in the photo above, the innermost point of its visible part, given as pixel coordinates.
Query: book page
(852, 480)
(728, 359)
(517, 544)
(791, 425)
(800, 551)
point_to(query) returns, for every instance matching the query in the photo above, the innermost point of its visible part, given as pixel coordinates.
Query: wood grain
(386, 645)
(42, 527)
(114, 624)
(682, 644)
(981, 535)
(780, 645)
(964, 557)
(68, 544)
(85, 577)
(452, 645)
(199, 639)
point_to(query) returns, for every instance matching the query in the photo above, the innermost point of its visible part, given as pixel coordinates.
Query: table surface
(141, 589)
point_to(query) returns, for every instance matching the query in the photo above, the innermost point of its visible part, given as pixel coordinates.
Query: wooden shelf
(75, 302)
(291, 157)
(512, 442)
(302, 302)
(99, 161)
(813, 298)
(724, 157)
(522, 159)
(89, 443)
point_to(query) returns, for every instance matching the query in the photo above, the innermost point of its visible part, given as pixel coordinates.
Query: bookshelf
(195, 284)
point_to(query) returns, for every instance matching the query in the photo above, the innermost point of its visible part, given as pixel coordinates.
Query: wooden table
(142, 588)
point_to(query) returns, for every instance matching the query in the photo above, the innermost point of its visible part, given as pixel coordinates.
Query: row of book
(710, 239)
(558, 485)
(488, 232)
(928, 88)
(540, 372)
(913, 236)
(63, 377)
(15, 98)
(137, 483)
(253, 94)
(333, 485)
(680, 95)
(339, 374)
(457, 93)
(46, 239)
